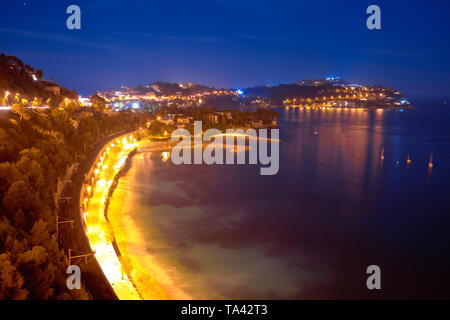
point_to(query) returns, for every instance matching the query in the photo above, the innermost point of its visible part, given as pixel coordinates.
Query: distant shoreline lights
(235, 144)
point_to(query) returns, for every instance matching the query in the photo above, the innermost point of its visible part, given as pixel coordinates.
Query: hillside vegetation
(36, 148)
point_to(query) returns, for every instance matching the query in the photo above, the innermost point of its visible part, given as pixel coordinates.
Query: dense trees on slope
(36, 148)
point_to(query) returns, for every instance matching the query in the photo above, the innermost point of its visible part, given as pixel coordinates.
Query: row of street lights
(95, 174)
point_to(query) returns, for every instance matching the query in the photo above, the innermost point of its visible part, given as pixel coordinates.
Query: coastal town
(82, 143)
(32, 90)
(223, 159)
(332, 92)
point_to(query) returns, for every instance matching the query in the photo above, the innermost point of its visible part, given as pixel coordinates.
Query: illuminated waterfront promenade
(99, 233)
(129, 279)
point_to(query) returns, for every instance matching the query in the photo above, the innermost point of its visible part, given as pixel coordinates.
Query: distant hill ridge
(305, 88)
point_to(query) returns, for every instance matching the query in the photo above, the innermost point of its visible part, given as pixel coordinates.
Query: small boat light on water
(408, 161)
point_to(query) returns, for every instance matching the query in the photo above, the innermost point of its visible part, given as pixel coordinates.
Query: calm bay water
(310, 231)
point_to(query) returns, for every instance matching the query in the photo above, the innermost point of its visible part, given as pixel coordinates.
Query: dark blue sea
(311, 231)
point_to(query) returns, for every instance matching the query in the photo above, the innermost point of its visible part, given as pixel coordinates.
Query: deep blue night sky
(232, 43)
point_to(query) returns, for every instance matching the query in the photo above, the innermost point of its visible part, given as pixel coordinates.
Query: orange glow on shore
(129, 279)
(97, 227)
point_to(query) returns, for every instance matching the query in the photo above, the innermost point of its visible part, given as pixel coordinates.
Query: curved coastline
(93, 276)
(111, 190)
(110, 207)
(152, 280)
(97, 182)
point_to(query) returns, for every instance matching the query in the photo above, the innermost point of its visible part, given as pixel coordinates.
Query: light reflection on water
(334, 208)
